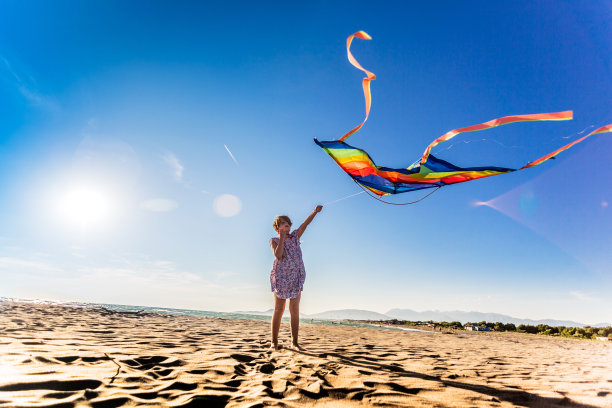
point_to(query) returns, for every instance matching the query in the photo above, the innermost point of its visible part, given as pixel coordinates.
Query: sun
(85, 206)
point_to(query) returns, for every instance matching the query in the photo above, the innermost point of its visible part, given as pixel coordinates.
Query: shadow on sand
(514, 396)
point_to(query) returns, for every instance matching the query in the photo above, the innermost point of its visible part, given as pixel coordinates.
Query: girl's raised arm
(308, 220)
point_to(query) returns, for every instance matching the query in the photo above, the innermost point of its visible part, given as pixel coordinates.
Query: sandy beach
(61, 356)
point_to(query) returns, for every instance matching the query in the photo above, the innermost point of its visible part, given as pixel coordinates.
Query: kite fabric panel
(429, 171)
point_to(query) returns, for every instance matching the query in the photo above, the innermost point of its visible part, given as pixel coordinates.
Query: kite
(430, 171)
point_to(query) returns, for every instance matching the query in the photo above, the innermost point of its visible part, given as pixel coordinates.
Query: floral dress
(288, 274)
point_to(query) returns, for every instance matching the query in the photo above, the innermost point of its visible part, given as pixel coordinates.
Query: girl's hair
(279, 219)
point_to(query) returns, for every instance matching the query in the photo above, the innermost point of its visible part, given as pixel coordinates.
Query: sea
(208, 313)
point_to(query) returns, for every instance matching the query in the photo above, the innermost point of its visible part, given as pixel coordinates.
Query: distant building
(475, 327)
(604, 338)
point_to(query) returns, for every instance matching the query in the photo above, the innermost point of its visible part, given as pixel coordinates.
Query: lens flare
(227, 205)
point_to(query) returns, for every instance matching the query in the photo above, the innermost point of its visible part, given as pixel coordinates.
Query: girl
(288, 274)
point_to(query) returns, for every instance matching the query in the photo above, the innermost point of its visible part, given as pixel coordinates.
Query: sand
(61, 356)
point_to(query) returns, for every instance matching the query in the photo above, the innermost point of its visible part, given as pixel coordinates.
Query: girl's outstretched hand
(318, 208)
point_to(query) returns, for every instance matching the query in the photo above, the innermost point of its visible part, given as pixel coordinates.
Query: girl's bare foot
(297, 347)
(275, 347)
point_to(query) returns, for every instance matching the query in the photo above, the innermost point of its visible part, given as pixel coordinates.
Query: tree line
(586, 332)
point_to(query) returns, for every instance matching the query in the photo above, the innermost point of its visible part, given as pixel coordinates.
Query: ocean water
(207, 313)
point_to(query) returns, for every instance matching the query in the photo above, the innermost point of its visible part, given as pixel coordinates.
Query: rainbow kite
(430, 171)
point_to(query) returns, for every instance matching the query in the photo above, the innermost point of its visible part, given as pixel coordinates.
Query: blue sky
(118, 186)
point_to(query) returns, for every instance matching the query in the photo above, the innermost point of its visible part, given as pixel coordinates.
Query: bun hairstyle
(279, 219)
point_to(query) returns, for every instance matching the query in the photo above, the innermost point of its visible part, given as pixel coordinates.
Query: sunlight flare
(85, 206)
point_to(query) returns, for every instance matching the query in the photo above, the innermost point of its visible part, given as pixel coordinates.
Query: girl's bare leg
(294, 309)
(279, 308)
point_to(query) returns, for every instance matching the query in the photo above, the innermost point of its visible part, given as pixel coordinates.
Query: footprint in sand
(243, 358)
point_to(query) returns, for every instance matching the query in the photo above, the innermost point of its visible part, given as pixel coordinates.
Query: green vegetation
(586, 332)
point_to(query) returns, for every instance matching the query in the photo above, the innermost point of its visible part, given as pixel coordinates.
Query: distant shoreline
(199, 313)
(585, 332)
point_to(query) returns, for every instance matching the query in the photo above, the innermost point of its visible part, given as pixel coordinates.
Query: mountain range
(435, 315)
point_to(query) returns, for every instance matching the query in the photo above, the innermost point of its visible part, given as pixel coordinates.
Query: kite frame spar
(429, 172)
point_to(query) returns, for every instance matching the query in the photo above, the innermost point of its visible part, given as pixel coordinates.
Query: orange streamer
(603, 129)
(566, 115)
(365, 83)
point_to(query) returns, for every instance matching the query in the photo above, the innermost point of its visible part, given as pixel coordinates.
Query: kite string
(343, 198)
(387, 202)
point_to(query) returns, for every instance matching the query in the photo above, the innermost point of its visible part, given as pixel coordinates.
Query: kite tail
(566, 115)
(365, 83)
(603, 129)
